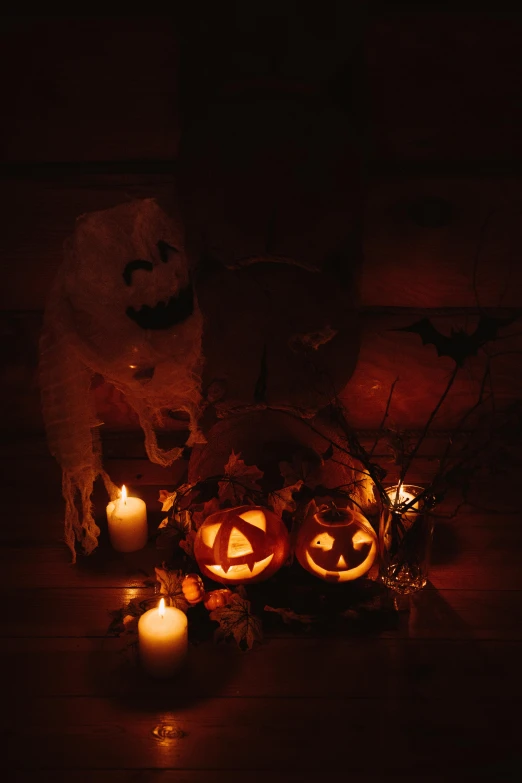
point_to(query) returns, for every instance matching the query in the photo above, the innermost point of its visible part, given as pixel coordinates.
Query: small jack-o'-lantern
(244, 544)
(337, 545)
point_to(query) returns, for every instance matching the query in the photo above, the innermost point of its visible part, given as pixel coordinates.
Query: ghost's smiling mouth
(165, 314)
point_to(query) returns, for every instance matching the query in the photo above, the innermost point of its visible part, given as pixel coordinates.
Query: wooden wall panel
(405, 264)
(428, 238)
(386, 354)
(39, 213)
(444, 86)
(88, 88)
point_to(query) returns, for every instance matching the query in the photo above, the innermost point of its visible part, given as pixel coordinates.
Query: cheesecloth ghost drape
(122, 306)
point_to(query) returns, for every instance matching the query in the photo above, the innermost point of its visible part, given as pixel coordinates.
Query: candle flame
(124, 493)
(161, 607)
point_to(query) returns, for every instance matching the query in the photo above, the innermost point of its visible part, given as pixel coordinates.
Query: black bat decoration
(459, 345)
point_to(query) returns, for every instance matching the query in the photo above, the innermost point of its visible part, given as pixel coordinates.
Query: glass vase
(405, 539)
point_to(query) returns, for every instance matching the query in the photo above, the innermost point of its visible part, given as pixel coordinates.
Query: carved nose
(341, 563)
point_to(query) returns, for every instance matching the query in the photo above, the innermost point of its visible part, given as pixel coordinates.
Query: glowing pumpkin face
(336, 545)
(244, 544)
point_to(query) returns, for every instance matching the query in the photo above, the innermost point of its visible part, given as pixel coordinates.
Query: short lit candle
(402, 498)
(163, 640)
(127, 519)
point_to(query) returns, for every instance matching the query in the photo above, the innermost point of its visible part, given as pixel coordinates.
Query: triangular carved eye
(256, 518)
(360, 539)
(209, 533)
(323, 541)
(238, 544)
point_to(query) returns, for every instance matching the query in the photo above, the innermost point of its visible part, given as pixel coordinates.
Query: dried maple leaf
(130, 623)
(282, 499)
(300, 469)
(167, 499)
(187, 544)
(122, 618)
(240, 480)
(182, 521)
(210, 507)
(237, 621)
(164, 522)
(170, 583)
(288, 616)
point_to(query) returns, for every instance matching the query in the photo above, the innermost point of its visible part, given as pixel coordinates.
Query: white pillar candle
(403, 498)
(163, 640)
(127, 519)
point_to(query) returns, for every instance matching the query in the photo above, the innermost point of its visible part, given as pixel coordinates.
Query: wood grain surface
(386, 353)
(89, 88)
(411, 258)
(437, 693)
(92, 117)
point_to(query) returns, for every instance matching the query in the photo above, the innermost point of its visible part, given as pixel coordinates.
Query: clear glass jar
(405, 539)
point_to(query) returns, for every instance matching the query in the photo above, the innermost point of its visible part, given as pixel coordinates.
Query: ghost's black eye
(132, 266)
(164, 250)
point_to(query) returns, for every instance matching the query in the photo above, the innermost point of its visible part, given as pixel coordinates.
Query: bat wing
(487, 329)
(444, 345)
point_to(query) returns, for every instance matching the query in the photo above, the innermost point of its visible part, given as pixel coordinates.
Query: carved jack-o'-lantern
(244, 544)
(337, 545)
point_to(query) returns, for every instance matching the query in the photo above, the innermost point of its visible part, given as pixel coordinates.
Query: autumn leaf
(167, 499)
(282, 499)
(164, 522)
(182, 521)
(184, 490)
(240, 480)
(237, 621)
(187, 544)
(300, 469)
(130, 623)
(170, 583)
(125, 620)
(288, 616)
(210, 507)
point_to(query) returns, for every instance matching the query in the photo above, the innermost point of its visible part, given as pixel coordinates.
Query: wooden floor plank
(320, 734)
(434, 614)
(338, 668)
(475, 550)
(204, 776)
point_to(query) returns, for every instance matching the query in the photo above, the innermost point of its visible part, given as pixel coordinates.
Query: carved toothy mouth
(241, 570)
(346, 574)
(164, 315)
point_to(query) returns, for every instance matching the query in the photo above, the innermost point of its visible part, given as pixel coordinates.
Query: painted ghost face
(164, 314)
(129, 287)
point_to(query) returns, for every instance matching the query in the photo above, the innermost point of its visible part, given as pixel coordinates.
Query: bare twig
(425, 430)
(385, 416)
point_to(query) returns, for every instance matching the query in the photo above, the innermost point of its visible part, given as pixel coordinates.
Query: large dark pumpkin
(244, 544)
(336, 545)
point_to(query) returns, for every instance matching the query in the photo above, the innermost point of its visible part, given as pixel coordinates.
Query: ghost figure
(123, 306)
